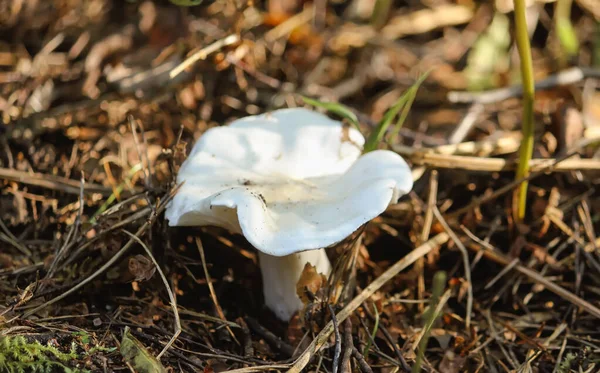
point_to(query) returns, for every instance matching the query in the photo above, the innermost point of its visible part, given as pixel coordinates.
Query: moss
(18, 355)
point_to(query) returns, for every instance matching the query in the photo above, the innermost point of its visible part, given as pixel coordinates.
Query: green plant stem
(437, 288)
(564, 29)
(526, 149)
(381, 13)
(373, 333)
(336, 108)
(403, 103)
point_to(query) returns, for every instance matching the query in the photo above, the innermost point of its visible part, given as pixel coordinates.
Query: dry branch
(483, 164)
(53, 182)
(566, 77)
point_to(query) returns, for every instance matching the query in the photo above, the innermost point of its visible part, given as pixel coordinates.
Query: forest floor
(96, 115)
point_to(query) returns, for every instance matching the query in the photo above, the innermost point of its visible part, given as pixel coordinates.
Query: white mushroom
(292, 182)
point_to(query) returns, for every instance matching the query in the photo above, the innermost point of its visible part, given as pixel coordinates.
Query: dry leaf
(138, 356)
(309, 280)
(141, 268)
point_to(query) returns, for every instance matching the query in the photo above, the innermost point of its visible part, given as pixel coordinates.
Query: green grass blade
(437, 288)
(407, 107)
(377, 135)
(336, 108)
(405, 101)
(109, 201)
(564, 28)
(373, 333)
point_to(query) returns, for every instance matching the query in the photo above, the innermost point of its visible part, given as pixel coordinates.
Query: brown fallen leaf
(310, 281)
(141, 268)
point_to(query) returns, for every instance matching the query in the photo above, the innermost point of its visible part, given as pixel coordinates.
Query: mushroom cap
(290, 180)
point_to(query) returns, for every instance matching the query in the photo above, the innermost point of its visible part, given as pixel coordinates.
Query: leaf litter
(102, 100)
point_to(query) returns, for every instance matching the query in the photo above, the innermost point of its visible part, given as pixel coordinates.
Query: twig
(565, 77)
(585, 216)
(484, 164)
(319, 363)
(10, 238)
(391, 342)
(563, 346)
(289, 25)
(348, 345)
(271, 338)
(498, 257)
(362, 363)
(119, 41)
(246, 338)
(87, 280)
(397, 351)
(461, 131)
(496, 335)
(169, 291)
(262, 368)
(53, 182)
(203, 316)
(147, 170)
(477, 201)
(6, 148)
(371, 341)
(338, 339)
(136, 215)
(499, 143)
(258, 75)
(504, 271)
(192, 362)
(109, 263)
(427, 223)
(211, 289)
(203, 53)
(81, 204)
(425, 20)
(467, 266)
(72, 233)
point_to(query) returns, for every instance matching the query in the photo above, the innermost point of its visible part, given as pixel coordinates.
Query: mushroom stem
(280, 274)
